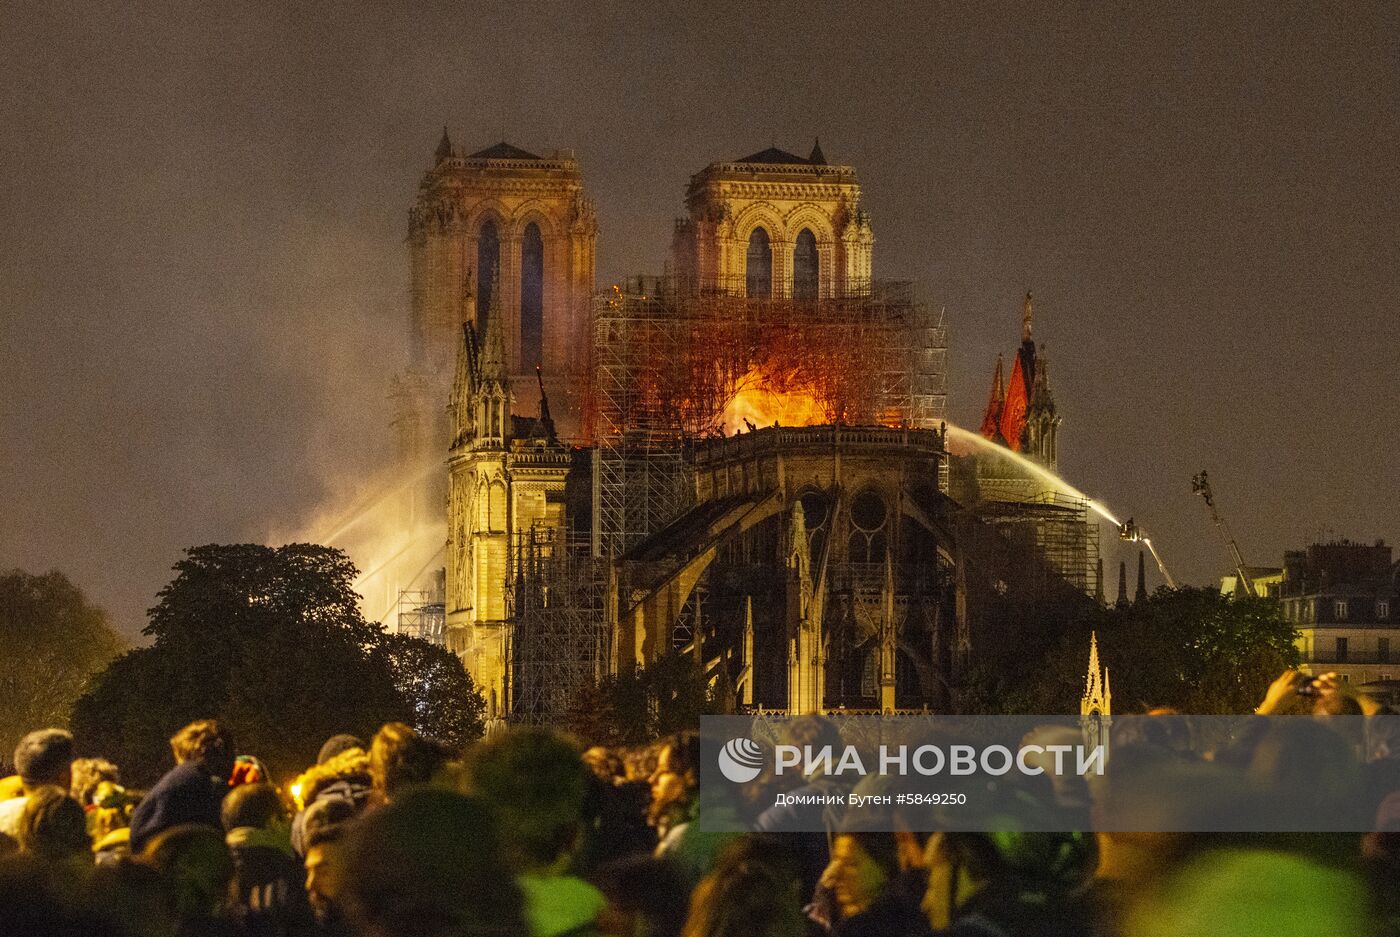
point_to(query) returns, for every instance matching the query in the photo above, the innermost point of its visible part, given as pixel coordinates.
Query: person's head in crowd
(756, 796)
(253, 805)
(343, 776)
(744, 899)
(208, 742)
(911, 835)
(34, 903)
(112, 806)
(196, 865)
(53, 827)
(337, 744)
(1305, 762)
(606, 764)
(1054, 865)
(324, 847)
(87, 774)
(677, 773)
(640, 762)
(429, 864)
(862, 866)
(1337, 704)
(785, 859)
(1254, 892)
(646, 898)
(401, 758)
(814, 733)
(960, 866)
(1000, 870)
(43, 758)
(535, 780)
(128, 899)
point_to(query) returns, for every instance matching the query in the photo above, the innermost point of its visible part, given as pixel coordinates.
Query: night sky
(204, 282)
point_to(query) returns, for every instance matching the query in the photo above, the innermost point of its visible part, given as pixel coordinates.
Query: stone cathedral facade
(502, 216)
(502, 253)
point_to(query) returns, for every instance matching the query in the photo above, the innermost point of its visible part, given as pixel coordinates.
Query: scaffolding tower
(1061, 531)
(560, 641)
(422, 614)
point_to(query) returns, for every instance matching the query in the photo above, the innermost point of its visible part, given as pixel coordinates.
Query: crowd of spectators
(530, 834)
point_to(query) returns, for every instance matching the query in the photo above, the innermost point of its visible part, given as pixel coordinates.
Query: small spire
(546, 421)
(817, 158)
(991, 419)
(493, 358)
(1141, 594)
(1026, 319)
(1122, 582)
(1095, 700)
(444, 147)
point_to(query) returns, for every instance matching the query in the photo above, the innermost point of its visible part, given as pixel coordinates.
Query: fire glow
(761, 400)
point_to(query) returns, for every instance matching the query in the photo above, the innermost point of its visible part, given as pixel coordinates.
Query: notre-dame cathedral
(742, 459)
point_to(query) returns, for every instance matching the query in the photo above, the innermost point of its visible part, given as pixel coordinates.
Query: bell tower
(774, 225)
(500, 214)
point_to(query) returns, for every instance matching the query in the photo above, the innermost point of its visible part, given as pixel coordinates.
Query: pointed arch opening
(488, 261)
(758, 270)
(531, 297)
(805, 276)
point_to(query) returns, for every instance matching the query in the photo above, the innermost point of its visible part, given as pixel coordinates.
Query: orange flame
(760, 400)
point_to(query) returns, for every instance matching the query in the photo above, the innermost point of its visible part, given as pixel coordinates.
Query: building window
(870, 674)
(868, 528)
(1341, 650)
(804, 266)
(1339, 608)
(488, 259)
(531, 297)
(1382, 610)
(758, 272)
(1383, 650)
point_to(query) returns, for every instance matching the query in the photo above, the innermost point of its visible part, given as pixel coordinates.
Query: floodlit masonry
(742, 460)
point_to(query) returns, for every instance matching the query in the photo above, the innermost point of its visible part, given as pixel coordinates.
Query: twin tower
(503, 228)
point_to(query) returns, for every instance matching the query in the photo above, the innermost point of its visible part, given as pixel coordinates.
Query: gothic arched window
(488, 260)
(868, 528)
(531, 297)
(804, 266)
(758, 272)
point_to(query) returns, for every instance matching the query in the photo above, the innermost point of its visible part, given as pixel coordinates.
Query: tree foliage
(669, 695)
(437, 689)
(1191, 649)
(51, 643)
(272, 641)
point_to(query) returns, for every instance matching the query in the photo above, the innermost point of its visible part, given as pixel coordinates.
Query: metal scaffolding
(422, 614)
(668, 361)
(560, 641)
(1061, 531)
